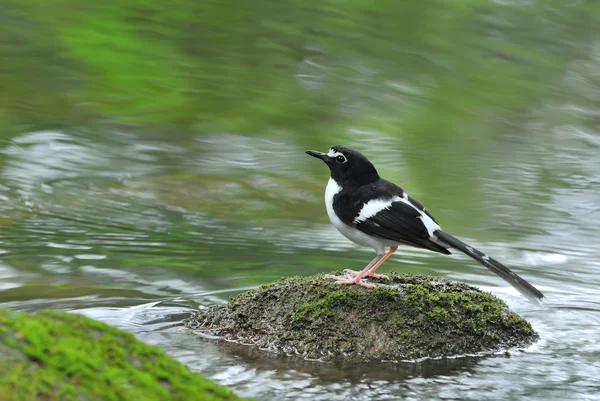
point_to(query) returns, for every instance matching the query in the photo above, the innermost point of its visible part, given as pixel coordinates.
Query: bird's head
(347, 165)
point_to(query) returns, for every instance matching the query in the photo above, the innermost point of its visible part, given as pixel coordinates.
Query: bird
(373, 212)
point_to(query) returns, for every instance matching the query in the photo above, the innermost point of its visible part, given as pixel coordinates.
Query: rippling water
(140, 235)
(485, 111)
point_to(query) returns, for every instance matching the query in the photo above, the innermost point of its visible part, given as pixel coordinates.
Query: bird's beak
(318, 155)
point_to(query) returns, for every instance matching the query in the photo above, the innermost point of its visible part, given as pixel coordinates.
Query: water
(138, 186)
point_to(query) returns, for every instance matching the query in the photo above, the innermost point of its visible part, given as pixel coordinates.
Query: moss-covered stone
(59, 356)
(405, 317)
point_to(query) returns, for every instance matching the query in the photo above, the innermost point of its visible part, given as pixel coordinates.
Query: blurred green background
(164, 119)
(312, 68)
(154, 151)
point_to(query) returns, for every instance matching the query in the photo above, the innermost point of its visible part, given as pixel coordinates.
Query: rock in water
(60, 356)
(406, 317)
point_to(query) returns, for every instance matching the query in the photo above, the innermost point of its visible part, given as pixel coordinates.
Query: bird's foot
(369, 274)
(351, 272)
(355, 281)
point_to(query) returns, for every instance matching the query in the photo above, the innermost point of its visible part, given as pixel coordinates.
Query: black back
(401, 222)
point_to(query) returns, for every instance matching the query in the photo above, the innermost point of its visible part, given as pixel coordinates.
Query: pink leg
(371, 263)
(369, 270)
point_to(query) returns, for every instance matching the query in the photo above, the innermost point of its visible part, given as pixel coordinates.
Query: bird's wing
(389, 213)
(403, 223)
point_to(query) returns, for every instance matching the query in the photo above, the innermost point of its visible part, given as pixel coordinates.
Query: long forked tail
(509, 276)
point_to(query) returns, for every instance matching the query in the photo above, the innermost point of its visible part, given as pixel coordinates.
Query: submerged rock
(405, 317)
(61, 356)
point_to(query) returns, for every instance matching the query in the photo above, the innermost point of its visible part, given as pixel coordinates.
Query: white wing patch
(372, 207)
(430, 225)
(375, 206)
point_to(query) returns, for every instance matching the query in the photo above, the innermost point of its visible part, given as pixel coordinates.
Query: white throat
(332, 189)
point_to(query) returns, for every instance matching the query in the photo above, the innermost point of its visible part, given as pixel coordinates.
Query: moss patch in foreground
(59, 356)
(406, 317)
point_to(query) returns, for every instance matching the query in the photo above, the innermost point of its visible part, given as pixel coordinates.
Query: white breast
(353, 234)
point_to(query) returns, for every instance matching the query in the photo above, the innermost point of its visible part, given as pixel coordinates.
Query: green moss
(327, 309)
(60, 356)
(404, 317)
(312, 313)
(439, 313)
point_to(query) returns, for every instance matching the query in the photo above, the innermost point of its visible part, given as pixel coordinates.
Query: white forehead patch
(333, 153)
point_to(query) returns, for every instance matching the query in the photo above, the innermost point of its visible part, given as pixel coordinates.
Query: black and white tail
(509, 276)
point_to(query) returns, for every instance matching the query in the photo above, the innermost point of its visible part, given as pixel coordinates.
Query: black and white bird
(376, 213)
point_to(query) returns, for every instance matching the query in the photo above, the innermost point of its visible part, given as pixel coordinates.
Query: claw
(375, 275)
(368, 271)
(351, 272)
(355, 281)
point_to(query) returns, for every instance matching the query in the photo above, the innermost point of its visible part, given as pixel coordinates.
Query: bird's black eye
(340, 159)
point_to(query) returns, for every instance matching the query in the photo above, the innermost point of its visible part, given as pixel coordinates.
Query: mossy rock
(405, 317)
(59, 356)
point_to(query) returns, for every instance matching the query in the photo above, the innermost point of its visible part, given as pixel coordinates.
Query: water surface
(154, 177)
